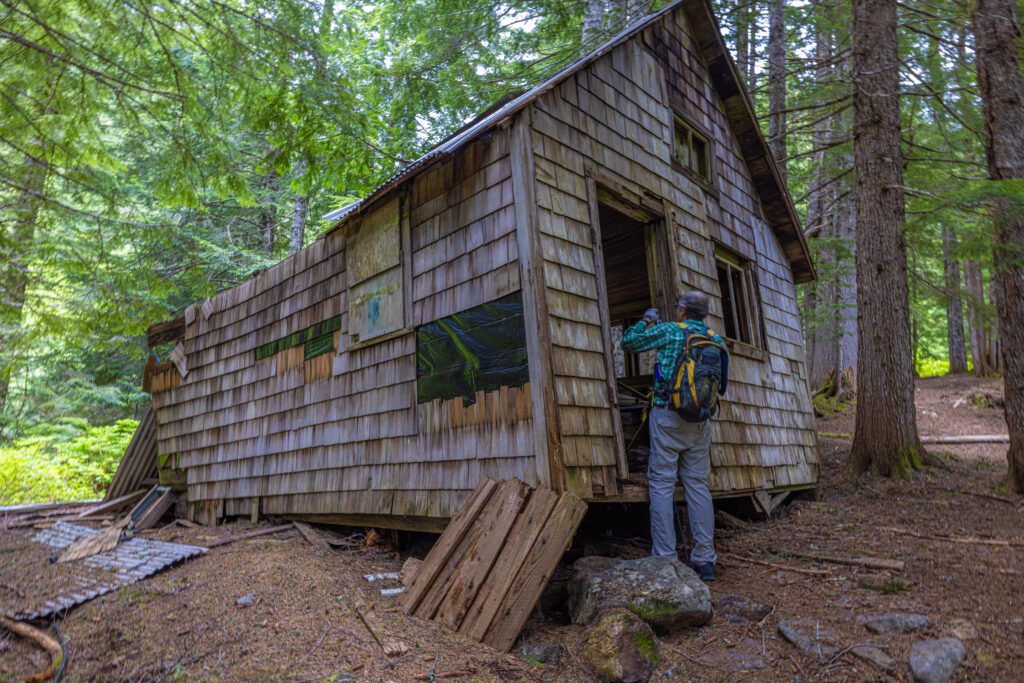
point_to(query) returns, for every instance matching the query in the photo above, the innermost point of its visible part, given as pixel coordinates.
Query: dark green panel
(314, 333)
(318, 346)
(481, 349)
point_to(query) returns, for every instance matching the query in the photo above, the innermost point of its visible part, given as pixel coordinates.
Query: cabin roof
(739, 110)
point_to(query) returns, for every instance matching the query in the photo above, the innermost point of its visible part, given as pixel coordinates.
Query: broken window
(741, 306)
(692, 150)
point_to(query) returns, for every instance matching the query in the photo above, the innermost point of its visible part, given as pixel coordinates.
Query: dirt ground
(186, 623)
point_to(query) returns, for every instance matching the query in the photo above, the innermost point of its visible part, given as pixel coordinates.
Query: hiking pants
(680, 450)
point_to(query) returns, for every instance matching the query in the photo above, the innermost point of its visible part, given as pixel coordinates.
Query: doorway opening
(634, 252)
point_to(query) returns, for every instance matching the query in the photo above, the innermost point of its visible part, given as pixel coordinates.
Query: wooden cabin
(462, 320)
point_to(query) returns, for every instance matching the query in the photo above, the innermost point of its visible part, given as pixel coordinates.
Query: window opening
(740, 303)
(691, 150)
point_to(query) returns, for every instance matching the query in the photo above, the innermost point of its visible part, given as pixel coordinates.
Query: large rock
(934, 661)
(894, 622)
(661, 590)
(621, 648)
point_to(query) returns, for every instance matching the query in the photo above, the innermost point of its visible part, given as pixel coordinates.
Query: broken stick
(971, 540)
(857, 561)
(43, 640)
(252, 534)
(783, 567)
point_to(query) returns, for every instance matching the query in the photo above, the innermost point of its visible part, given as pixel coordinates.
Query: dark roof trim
(764, 170)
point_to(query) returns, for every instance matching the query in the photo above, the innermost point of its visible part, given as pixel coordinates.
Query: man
(679, 449)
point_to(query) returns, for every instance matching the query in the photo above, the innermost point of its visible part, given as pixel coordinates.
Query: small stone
(935, 661)
(809, 636)
(661, 590)
(541, 653)
(961, 629)
(622, 648)
(894, 622)
(740, 608)
(872, 654)
(245, 601)
(745, 655)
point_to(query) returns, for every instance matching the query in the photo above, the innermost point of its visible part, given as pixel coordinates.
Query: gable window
(692, 150)
(741, 306)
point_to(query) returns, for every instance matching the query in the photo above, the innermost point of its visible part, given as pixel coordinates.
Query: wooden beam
(114, 504)
(432, 525)
(166, 332)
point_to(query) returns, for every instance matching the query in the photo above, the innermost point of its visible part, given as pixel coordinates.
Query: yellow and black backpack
(700, 376)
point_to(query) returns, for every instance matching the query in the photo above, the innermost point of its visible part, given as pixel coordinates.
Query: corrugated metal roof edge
(456, 142)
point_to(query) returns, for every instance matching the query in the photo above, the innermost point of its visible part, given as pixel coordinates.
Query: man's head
(692, 305)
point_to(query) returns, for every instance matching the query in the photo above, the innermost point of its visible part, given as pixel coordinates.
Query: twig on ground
(783, 567)
(971, 540)
(859, 561)
(43, 640)
(981, 494)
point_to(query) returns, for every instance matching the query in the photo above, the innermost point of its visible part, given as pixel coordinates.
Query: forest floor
(186, 623)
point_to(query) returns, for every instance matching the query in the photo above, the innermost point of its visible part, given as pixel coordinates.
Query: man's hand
(651, 316)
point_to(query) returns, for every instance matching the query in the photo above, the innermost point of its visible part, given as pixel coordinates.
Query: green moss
(654, 611)
(647, 646)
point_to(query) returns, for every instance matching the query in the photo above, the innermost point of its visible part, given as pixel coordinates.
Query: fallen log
(856, 561)
(311, 536)
(967, 438)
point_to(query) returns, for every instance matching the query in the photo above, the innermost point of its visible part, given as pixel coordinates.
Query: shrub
(55, 465)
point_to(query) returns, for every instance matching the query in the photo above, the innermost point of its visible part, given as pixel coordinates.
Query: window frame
(681, 120)
(752, 312)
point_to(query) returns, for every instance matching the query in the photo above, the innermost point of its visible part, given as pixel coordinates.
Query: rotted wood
(166, 332)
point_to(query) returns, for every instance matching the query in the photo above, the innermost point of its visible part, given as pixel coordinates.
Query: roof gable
(764, 171)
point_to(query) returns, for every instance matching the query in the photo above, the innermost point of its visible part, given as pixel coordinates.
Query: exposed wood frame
(621, 464)
(752, 313)
(551, 471)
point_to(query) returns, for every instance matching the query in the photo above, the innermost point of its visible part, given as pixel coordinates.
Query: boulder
(740, 608)
(540, 653)
(621, 647)
(660, 590)
(935, 661)
(894, 622)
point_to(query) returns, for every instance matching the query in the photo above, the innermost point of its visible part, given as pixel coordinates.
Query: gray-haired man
(680, 450)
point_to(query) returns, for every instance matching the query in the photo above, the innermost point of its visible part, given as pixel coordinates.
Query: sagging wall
(614, 121)
(301, 392)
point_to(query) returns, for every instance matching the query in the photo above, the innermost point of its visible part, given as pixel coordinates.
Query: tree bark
(300, 214)
(954, 305)
(885, 440)
(593, 20)
(14, 268)
(777, 82)
(997, 37)
(848, 345)
(976, 317)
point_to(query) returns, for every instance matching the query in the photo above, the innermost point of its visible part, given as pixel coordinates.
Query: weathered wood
(115, 504)
(252, 534)
(469, 577)
(438, 556)
(521, 538)
(967, 438)
(155, 511)
(852, 561)
(165, 332)
(311, 536)
(533, 575)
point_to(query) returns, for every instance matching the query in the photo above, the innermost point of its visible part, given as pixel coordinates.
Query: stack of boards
(486, 572)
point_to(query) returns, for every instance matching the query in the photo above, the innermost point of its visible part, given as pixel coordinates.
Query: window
(692, 150)
(741, 306)
(377, 272)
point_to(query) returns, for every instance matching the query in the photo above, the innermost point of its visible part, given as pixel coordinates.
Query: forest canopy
(154, 153)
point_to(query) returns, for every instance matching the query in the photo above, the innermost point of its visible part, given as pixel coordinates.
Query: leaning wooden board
(485, 574)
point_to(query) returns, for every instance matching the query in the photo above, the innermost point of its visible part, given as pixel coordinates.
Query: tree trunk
(976, 316)
(593, 21)
(997, 43)
(14, 269)
(994, 342)
(885, 439)
(954, 305)
(299, 214)
(743, 41)
(777, 82)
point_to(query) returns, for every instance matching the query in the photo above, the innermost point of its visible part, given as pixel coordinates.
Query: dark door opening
(630, 248)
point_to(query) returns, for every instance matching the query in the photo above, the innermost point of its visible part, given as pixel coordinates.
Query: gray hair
(695, 303)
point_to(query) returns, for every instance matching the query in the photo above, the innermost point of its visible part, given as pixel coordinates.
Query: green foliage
(69, 460)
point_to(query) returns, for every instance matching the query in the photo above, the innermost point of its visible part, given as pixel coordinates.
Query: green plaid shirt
(670, 341)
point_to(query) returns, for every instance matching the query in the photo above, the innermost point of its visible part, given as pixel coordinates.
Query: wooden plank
(114, 504)
(550, 471)
(152, 515)
(446, 545)
(606, 334)
(311, 536)
(524, 533)
(534, 574)
(164, 332)
(493, 532)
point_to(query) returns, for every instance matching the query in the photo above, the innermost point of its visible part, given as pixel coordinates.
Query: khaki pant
(680, 451)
